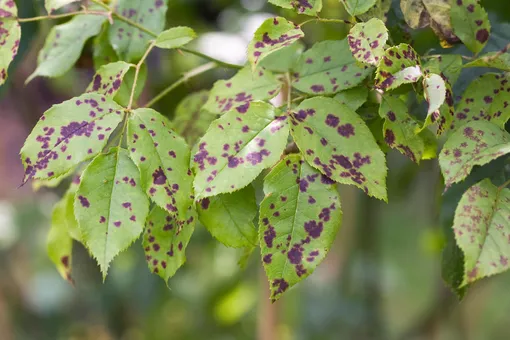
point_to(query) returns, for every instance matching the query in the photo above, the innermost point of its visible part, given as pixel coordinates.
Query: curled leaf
(400, 65)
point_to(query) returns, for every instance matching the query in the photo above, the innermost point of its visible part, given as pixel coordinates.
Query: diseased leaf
(353, 98)
(357, 7)
(165, 240)
(400, 129)
(400, 65)
(475, 143)
(64, 44)
(379, 10)
(108, 78)
(190, 120)
(238, 91)
(449, 65)
(163, 159)
(284, 59)
(128, 41)
(367, 40)
(112, 218)
(10, 34)
(299, 219)
(229, 217)
(481, 227)
(327, 68)
(60, 244)
(175, 37)
(485, 98)
(308, 7)
(237, 147)
(68, 134)
(53, 5)
(273, 35)
(334, 139)
(434, 90)
(470, 23)
(124, 93)
(499, 60)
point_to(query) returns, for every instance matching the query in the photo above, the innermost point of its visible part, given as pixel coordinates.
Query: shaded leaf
(163, 159)
(165, 240)
(124, 92)
(299, 219)
(481, 227)
(128, 41)
(53, 5)
(499, 60)
(273, 35)
(284, 59)
(400, 65)
(112, 218)
(367, 40)
(449, 65)
(475, 143)
(229, 217)
(309, 7)
(357, 7)
(237, 147)
(72, 224)
(353, 98)
(470, 23)
(103, 52)
(64, 45)
(238, 91)
(108, 78)
(175, 37)
(60, 244)
(190, 120)
(379, 10)
(10, 34)
(68, 134)
(434, 90)
(335, 140)
(327, 68)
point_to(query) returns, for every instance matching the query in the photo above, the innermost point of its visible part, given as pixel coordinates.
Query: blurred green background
(382, 279)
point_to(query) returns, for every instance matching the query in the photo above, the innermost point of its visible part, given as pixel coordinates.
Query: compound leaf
(367, 40)
(308, 7)
(108, 79)
(357, 7)
(191, 121)
(175, 37)
(10, 34)
(470, 23)
(400, 65)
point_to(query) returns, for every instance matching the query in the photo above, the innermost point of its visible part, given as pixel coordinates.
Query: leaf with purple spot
(64, 45)
(482, 227)
(299, 219)
(53, 5)
(273, 35)
(68, 134)
(163, 157)
(238, 91)
(475, 143)
(110, 206)
(108, 79)
(229, 217)
(354, 98)
(367, 41)
(399, 65)
(191, 121)
(470, 23)
(327, 68)
(308, 7)
(334, 139)
(237, 147)
(175, 37)
(357, 7)
(10, 34)
(127, 40)
(499, 60)
(283, 60)
(486, 98)
(165, 241)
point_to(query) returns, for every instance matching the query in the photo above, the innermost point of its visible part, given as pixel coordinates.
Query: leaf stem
(504, 185)
(288, 77)
(337, 21)
(137, 72)
(186, 76)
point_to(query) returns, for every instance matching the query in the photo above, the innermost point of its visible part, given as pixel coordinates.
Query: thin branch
(336, 21)
(188, 75)
(504, 185)
(65, 15)
(137, 72)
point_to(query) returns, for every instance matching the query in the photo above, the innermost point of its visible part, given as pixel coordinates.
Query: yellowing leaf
(10, 34)
(400, 65)
(470, 23)
(367, 40)
(108, 79)
(308, 7)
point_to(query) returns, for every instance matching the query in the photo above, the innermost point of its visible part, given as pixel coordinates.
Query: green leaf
(175, 37)
(434, 90)
(229, 217)
(72, 224)
(110, 206)
(238, 91)
(476, 143)
(128, 41)
(499, 60)
(68, 134)
(10, 34)
(449, 65)
(481, 226)
(470, 23)
(327, 68)
(485, 98)
(103, 52)
(273, 35)
(124, 93)
(367, 40)
(400, 65)
(284, 59)
(190, 120)
(308, 7)
(64, 44)
(400, 129)
(357, 7)
(53, 5)
(379, 10)
(237, 147)
(108, 79)
(60, 244)
(165, 240)
(353, 98)
(163, 159)
(299, 219)
(335, 140)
